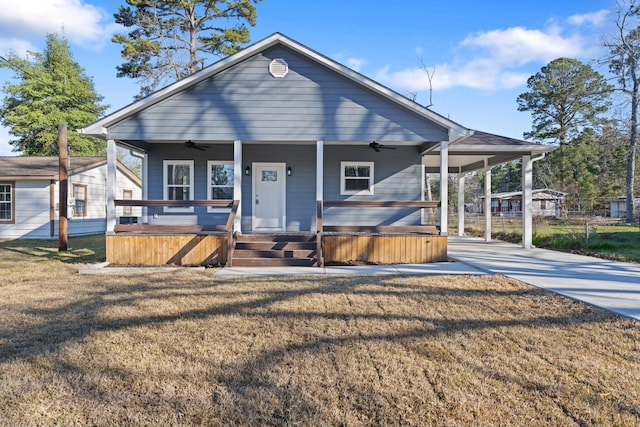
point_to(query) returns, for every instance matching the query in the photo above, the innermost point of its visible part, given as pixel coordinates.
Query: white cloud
(595, 18)
(491, 60)
(82, 23)
(518, 45)
(355, 63)
(17, 46)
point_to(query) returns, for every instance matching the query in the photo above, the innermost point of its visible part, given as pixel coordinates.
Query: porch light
(289, 171)
(247, 171)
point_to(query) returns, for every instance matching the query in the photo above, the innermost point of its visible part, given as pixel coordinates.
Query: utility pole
(63, 195)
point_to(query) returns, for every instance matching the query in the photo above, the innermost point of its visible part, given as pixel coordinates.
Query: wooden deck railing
(227, 228)
(321, 228)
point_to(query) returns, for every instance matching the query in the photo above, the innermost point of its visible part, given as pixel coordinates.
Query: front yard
(190, 348)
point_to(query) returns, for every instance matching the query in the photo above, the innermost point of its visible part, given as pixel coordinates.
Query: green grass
(80, 250)
(588, 236)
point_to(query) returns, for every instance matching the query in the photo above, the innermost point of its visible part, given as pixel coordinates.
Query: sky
(479, 54)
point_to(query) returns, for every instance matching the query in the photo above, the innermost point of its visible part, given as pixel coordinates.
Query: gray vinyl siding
(246, 103)
(397, 176)
(161, 152)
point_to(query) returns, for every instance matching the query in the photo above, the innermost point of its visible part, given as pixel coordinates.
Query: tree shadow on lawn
(81, 249)
(249, 298)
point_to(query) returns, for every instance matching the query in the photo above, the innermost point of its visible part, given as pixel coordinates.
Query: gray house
(29, 196)
(280, 152)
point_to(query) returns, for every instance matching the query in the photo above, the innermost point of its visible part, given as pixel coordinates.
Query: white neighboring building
(619, 206)
(29, 196)
(548, 203)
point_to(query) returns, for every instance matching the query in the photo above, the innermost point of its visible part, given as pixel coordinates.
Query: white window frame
(210, 163)
(343, 179)
(11, 202)
(165, 184)
(84, 190)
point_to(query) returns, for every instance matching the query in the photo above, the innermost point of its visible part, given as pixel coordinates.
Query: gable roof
(47, 167)
(100, 128)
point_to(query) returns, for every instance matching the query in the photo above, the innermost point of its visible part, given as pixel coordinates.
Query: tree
(624, 62)
(565, 98)
(168, 37)
(51, 89)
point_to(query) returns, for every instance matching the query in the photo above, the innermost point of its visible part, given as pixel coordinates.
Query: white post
(111, 185)
(319, 170)
(461, 179)
(145, 187)
(527, 201)
(487, 201)
(444, 188)
(237, 182)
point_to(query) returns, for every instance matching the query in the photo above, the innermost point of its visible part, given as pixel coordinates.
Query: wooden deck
(153, 245)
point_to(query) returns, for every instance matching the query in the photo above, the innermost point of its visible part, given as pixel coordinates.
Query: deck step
(277, 250)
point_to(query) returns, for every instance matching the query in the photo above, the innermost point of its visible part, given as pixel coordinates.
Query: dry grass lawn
(189, 348)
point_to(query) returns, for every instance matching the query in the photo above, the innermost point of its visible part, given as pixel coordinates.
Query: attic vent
(278, 68)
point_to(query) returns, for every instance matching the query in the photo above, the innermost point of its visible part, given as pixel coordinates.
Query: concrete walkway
(614, 286)
(611, 285)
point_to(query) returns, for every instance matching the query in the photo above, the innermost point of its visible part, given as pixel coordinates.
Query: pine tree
(171, 39)
(51, 89)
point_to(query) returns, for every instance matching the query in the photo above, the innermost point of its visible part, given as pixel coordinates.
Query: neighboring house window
(79, 200)
(7, 205)
(356, 178)
(127, 195)
(543, 204)
(178, 183)
(220, 183)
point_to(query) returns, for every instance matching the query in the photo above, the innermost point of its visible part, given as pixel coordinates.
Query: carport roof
(469, 153)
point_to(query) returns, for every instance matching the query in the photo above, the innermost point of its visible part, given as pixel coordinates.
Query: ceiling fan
(375, 146)
(191, 144)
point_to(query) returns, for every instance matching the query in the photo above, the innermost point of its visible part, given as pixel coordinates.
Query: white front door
(269, 197)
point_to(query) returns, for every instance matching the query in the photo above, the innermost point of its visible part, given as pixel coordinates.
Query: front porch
(144, 244)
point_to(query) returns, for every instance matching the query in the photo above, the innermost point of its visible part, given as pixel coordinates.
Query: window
(356, 178)
(7, 207)
(79, 200)
(127, 195)
(220, 185)
(178, 183)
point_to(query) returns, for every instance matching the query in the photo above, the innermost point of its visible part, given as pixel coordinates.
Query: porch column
(444, 188)
(319, 170)
(461, 179)
(487, 201)
(237, 182)
(527, 201)
(145, 187)
(111, 186)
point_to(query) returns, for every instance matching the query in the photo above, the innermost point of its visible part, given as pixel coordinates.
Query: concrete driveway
(611, 285)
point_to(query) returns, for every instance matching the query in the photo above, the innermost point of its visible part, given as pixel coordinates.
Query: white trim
(343, 178)
(319, 170)
(111, 185)
(444, 188)
(283, 167)
(237, 182)
(527, 202)
(487, 201)
(461, 180)
(165, 188)
(209, 185)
